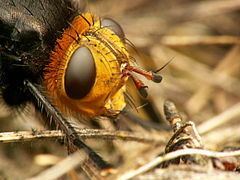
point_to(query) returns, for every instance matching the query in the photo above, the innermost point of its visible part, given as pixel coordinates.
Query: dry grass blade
(62, 167)
(173, 155)
(185, 172)
(205, 9)
(227, 136)
(22, 136)
(200, 71)
(219, 120)
(203, 81)
(199, 40)
(229, 65)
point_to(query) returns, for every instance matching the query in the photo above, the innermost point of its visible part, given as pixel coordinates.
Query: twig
(199, 40)
(228, 65)
(200, 71)
(181, 129)
(204, 9)
(189, 172)
(227, 135)
(22, 136)
(176, 154)
(222, 118)
(116, 135)
(62, 167)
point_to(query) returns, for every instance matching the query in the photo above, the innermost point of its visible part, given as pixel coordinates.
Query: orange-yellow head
(89, 67)
(85, 71)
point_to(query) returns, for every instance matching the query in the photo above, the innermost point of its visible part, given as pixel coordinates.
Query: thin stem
(176, 154)
(24, 136)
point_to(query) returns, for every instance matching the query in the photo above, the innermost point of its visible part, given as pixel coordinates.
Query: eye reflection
(80, 74)
(114, 26)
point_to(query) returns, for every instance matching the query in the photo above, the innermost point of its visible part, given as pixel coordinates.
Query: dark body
(28, 32)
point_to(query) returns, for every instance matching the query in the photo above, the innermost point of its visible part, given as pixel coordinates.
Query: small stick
(61, 168)
(200, 71)
(199, 40)
(219, 120)
(228, 135)
(229, 65)
(181, 129)
(172, 115)
(176, 154)
(23, 136)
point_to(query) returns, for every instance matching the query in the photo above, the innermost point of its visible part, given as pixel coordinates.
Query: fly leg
(66, 127)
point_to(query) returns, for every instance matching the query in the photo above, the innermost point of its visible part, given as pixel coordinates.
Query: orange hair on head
(58, 59)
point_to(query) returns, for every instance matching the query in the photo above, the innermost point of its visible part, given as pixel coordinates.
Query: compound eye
(80, 73)
(114, 26)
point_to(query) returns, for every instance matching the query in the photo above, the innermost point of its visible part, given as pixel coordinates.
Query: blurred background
(201, 38)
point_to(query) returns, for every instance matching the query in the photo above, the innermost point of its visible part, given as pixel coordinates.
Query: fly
(65, 62)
